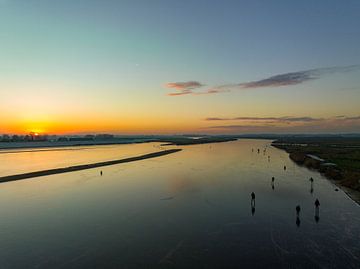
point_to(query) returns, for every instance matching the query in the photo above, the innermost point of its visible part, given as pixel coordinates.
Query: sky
(173, 67)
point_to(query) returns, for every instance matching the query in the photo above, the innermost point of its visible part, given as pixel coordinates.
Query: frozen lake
(190, 209)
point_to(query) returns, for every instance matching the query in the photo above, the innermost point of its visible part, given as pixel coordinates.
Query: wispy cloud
(242, 128)
(188, 87)
(184, 85)
(286, 124)
(180, 92)
(285, 79)
(295, 78)
(210, 91)
(279, 119)
(183, 88)
(280, 80)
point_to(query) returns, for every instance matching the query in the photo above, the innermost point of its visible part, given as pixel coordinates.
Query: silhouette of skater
(311, 179)
(298, 215)
(253, 198)
(101, 173)
(258, 150)
(284, 167)
(317, 203)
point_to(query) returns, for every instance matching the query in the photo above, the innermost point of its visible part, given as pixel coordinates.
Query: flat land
(341, 158)
(168, 140)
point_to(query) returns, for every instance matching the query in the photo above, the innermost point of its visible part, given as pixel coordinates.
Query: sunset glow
(69, 73)
(179, 134)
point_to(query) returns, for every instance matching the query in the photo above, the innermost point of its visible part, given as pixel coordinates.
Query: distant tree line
(31, 137)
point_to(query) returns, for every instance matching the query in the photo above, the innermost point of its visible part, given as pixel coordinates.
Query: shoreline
(333, 175)
(48, 145)
(352, 194)
(84, 166)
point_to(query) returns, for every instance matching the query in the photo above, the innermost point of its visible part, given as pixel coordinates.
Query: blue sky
(111, 61)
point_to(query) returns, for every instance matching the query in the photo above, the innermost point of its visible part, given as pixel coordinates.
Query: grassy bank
(340, 158)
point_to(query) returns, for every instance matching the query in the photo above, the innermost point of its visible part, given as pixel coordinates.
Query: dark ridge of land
(85, 166)
(336, 158)
(183, 141)
(186, 139)
(167, 140)
(60, 144)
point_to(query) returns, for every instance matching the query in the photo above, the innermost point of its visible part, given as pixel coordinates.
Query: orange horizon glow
(149, 126)
(96, 126)
(79, 72)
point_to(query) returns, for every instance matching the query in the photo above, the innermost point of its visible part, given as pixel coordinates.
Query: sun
(35, 132)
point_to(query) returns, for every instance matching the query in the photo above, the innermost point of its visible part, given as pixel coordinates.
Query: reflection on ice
(252, 203)
(186, 210)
